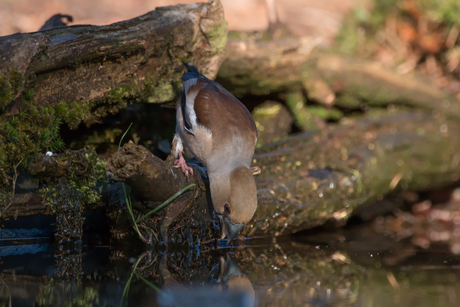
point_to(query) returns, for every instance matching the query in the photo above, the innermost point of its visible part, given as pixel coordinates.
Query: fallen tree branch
(148, 176)
(101, 67)
(311, 178)
(292, 64)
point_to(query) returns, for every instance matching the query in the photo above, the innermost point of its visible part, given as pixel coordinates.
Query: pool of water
(354, 267)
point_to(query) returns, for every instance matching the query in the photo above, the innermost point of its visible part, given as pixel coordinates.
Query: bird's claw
(180, 163)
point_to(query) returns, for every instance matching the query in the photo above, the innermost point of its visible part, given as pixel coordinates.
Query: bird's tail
(191, 68)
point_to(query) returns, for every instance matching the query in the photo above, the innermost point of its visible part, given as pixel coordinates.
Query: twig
(15, 177)
(166, 202)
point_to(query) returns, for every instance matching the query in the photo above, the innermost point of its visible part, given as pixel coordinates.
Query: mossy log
(144, 173)
(70, 181)
(318, 176)
(313, 177)
(294, 64)
(151, 182)
(101, 68)
(324, 175)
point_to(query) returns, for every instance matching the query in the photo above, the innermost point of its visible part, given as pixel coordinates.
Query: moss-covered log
(311, 178)
(151, 182)
(314, 177)
(69, 183)
(79, 74)
(100, 68)
(293, 64)
(145, 173)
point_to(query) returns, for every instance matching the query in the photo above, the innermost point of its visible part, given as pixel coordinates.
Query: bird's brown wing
(221, 113)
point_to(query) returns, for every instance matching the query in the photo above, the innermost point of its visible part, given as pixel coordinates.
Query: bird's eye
(227, 208)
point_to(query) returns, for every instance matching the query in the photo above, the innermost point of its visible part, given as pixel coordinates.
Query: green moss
(217, 36)
(16, 80)
(121, 94)
(66, 196)
(164, 91)
(305, 120)
(324, 113)
(83, 171)
(9, 87)
(36, 128)
(149, 90)
(73, 113)
(5, 93)
(33, 130)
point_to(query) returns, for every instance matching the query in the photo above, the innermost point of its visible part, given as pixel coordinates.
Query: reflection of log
(260, 68)
(133, 60)
(311, 178)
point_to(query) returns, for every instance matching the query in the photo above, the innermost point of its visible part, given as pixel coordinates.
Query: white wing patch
(190, 103)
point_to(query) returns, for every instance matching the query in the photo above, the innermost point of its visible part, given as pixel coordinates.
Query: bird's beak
(228, 229)
(228, 267)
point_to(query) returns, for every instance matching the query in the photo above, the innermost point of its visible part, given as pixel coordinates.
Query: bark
(151, 182)
(145, 173)
(136, 60)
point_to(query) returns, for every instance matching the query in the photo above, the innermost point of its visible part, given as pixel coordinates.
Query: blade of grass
(128, 283)
(166, 202)
(148, 283)
(128, 199)
(130, 209)
(123, 136)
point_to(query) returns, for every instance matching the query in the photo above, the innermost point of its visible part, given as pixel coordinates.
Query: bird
(218, 130)
(232, 279)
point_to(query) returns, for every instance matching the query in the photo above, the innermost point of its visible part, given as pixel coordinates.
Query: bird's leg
(180, 163)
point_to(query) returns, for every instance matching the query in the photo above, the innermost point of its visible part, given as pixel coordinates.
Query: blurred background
(405, 34)
(304, 17)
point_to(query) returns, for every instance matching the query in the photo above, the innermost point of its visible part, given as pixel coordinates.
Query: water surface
(356, 267)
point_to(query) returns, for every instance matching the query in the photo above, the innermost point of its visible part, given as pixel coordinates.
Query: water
(356, 267)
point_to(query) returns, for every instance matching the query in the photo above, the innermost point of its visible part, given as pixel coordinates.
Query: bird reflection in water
(232, 288)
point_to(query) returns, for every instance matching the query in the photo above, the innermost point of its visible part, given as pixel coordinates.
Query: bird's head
(234, 280)
(235, 200)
